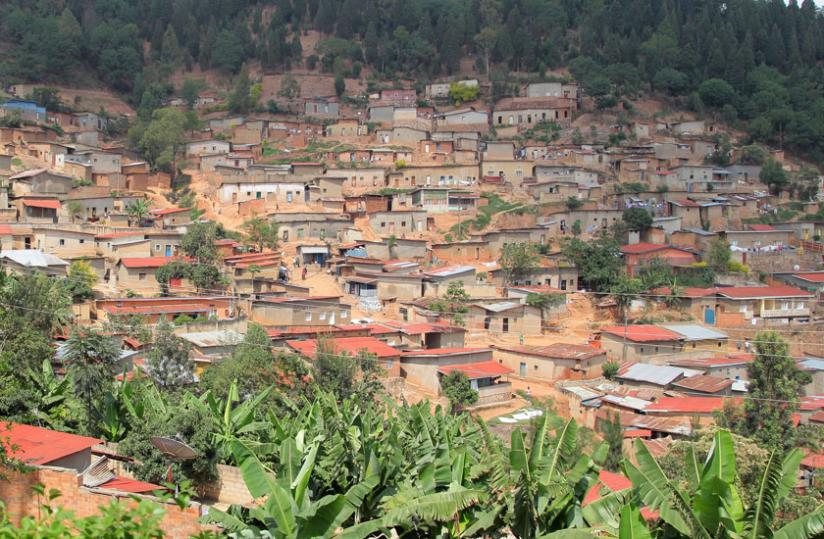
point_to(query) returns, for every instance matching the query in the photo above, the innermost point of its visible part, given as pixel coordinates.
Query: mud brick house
(156, 309)
(557, 361)
(426, 368)
(640, 342)
(388, 357)
(138, 274)
(636, 255)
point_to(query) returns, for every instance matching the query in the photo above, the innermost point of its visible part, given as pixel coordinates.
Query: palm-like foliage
(138, 210)
(711, 506)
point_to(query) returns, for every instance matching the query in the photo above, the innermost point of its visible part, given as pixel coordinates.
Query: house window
(82, 241)
(308, 317)
(62, 242)
(383, 225)
(285, 235)
(157, 247)
(344, 314)
(505, 325)
(141, 276)
(487, 322)
(322, 316)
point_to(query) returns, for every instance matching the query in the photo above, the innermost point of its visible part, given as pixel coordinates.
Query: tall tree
(168, 364)
(774, 394)
(91, 358)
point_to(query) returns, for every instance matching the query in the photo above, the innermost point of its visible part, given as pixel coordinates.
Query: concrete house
(504, 316)
(295, 226)
(285, 190)
(552, 89)
(31, 260)
(283, 312)
(525, 112)
(559, 361)
(40, 182)
(38, 209)
(138, 274)
(27, 111)
(463, 116)
(322, 107)
(440, 90)
(398, 223)
(101, 162)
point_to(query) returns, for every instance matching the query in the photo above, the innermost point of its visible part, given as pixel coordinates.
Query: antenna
(175, 451)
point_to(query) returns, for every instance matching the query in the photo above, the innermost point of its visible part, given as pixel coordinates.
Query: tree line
(754, 64)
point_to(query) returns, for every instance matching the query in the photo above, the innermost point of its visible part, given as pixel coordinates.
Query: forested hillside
(755, 63)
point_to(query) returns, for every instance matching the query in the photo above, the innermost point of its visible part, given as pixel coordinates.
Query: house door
(522, 370)
(505, 325)
(709, 316)
(168, 250)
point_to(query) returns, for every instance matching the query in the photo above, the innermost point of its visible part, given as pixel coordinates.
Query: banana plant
(711, 506)
(235, 419)
(286, 510)
(52, 393)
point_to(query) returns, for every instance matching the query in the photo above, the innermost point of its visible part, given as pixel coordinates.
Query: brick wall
(19, 499)
(229, 488)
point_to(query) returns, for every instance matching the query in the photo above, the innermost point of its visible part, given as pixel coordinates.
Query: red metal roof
(637, 433)
(687, 203)
(49, 204)
(614, 482)
(481, 369)
(761, 228)
(131, 485)
(812, 402)
(687, 405)
(167, 211)
(35, 445)
(704, 383)
(812, 277)
(642, 333)
(746, 292)
(350, 345)
(638, 248)
(813, 460)
(443, 351)
(147, 261)
(113, 235)
(817, 417)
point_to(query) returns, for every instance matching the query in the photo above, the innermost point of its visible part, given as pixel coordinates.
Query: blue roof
(813, 364)
(23, 105)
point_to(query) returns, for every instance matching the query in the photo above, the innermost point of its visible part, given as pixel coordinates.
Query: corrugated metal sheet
(661, 375)
(694, 332)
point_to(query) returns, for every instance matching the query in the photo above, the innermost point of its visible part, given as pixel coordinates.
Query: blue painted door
(709, 316)
(522, 370)
(168, 250)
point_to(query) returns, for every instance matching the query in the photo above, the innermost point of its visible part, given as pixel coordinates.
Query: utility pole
(624, 353)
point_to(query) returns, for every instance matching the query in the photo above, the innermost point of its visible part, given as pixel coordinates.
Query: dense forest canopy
(754, 63)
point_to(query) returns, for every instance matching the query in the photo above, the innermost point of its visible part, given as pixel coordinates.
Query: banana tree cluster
(339, 470)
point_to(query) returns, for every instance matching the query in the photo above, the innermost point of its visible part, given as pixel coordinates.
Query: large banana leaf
(564, 448)
(258, 477)
(605, 512)
(517, 453)
(331, 512)
(654, 489)
(778, 478)
(632, 524)
(717, 500)
(810, 526)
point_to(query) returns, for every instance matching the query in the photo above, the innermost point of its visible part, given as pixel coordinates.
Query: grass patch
(495, 205)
